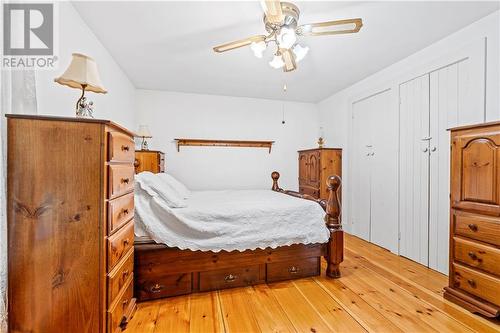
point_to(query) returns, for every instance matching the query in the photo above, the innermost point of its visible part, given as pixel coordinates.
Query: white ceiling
(168, 45)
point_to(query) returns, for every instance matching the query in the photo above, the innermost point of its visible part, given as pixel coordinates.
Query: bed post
(333, 222)
(275, 176)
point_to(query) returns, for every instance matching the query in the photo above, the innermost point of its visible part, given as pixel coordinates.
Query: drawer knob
(473, 227)
(125, 148)
(125, 180)
(472, 283)
(230, 278)
(293, 270)
(125, 211)
(125, 273)
(473, 256)
(156, 288)
(126, 241)
(124, 303)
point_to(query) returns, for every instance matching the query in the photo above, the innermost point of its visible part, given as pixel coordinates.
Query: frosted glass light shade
(82, 71)
(286, 38)
(258, 48)
(300, 52)
(277, 62)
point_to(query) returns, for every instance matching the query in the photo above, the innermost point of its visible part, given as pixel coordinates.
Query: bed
(216, 241)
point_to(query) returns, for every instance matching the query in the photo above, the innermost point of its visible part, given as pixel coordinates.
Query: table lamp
(144, 133)
(82, 74)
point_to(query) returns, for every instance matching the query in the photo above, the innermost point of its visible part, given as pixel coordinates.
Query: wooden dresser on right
(474, 280)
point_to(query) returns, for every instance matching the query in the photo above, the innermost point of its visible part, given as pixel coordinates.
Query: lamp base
(321, 142)
(84, 108)
(144, 144)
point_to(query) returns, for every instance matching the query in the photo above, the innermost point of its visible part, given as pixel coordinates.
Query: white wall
(481, 36)
(172, 115)
(54, 99)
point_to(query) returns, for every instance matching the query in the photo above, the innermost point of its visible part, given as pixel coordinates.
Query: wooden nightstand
(149, 160)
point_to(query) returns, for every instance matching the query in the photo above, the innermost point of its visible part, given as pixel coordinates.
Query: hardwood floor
(378, 292)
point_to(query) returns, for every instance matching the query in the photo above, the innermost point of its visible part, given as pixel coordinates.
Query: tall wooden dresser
(315, 166)
(149, 160)
(70, 225)
(474, 280)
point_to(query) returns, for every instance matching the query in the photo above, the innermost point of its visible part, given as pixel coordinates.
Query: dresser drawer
(150, 287)
(480, 227)
(477, 255)
(121, 147)
(119, 244)
(291, 269)
(118, 310)
(118, 277)
(120, 210)
(120, 179)
(477, 283)
(230, 277)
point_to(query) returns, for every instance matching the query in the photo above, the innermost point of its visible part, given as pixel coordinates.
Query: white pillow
(179, 187)
(155, 187)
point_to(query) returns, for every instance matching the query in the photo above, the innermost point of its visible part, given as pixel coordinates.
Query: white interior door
(414, 169)
(360, 166)
(384, 170)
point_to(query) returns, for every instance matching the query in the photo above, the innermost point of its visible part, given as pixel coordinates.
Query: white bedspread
(230, 220)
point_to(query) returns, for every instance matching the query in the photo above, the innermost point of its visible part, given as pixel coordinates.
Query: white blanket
(230, 220)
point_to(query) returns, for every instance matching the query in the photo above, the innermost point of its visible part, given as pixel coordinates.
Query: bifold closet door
(414, 169)
(453, 97)
(361, 166)
(374, 201)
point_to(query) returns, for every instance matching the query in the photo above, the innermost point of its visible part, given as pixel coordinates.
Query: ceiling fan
(281, 23)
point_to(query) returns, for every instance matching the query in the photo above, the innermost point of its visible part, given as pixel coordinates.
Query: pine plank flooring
(378, 292)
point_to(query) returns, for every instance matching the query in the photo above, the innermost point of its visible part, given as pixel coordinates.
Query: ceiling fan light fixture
(277, 61)
(286, 37)
(258, 48)
(300, 52)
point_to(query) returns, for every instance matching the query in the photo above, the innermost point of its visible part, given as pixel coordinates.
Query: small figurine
(85, 109)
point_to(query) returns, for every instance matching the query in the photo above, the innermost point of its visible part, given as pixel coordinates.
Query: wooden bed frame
(162, 271)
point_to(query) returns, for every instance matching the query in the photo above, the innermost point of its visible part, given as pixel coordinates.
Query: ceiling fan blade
(239, 43)
(331, 28)
(289, 60)
(273, 11)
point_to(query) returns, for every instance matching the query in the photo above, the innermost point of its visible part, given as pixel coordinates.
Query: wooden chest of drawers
(149, 160)
(474, 280)
(70, 224)
(315, 166)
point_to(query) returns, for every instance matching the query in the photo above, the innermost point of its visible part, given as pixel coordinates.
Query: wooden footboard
(335, 248)
(162, 271)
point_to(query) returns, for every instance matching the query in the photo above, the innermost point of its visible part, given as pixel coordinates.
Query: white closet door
(452, 93)
(384, 171)
(360, 163)
(414, 169)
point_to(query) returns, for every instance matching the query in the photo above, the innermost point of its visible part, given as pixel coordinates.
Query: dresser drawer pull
(125, 211)
(230, 278)
(472, 283)
(124, 303)
(125, 148)
(473, 256)
(126, 241)
(125, 273)
(125, 180)
(156, 288)
(473, 227)
(293, 270)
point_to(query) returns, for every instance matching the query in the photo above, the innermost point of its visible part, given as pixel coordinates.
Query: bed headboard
(149, 160)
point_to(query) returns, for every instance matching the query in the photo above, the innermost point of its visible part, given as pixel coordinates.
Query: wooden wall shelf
(223, 143)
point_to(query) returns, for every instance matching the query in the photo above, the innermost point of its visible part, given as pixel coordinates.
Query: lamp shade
(144, 132)
(82, 71)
